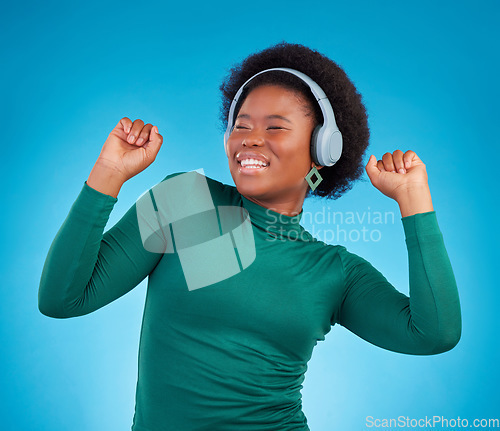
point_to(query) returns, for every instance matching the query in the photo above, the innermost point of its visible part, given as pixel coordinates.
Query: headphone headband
(326, 142)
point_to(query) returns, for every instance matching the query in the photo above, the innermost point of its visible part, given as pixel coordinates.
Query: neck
(288, 207)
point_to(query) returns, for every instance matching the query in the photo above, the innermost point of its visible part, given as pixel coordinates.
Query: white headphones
(326, 141)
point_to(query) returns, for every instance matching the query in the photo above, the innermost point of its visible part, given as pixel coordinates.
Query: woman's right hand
(130, 148)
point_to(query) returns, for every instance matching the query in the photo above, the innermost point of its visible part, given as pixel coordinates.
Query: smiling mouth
(252, 165)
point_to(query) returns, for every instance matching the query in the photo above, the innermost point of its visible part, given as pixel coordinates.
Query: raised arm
(425, 323)
(429, 320)
(86, 269)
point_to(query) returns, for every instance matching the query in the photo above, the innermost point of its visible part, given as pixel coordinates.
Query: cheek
(299, 152)
(230, 146)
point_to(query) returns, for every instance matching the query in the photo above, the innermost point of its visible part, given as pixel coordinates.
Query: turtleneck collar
(273, 222)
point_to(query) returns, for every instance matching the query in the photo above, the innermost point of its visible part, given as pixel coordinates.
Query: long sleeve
(425, 323)
(86, 269)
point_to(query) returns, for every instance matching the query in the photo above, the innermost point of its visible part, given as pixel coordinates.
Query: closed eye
(240, 127)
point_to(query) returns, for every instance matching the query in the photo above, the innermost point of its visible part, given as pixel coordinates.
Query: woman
(232, 355)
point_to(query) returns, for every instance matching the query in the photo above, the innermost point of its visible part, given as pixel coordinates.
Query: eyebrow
(269, 117)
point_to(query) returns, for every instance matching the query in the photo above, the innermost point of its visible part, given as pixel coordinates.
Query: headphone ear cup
(326, 146)
(314, 145)
(335, 146)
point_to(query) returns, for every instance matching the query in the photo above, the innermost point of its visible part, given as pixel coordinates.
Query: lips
(251, 162)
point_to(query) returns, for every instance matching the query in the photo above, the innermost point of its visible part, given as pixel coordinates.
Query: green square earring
(318, 180)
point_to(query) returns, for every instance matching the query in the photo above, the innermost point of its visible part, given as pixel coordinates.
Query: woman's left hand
(402, 177)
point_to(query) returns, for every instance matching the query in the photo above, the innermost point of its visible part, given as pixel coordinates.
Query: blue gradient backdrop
(428, 72)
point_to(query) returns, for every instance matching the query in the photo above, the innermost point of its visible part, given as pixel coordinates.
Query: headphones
(326, 140)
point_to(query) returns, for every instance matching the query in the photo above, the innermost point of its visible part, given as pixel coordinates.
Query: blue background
(428, 72)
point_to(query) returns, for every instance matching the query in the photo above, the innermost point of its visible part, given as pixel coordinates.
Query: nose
(253, 138)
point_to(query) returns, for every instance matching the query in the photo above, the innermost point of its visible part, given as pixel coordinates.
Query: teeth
(252, 163)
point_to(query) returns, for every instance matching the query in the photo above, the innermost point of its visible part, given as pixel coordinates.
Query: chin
(254, 189)
(265, 187)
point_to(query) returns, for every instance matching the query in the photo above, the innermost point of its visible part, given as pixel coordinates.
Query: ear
(317, 166)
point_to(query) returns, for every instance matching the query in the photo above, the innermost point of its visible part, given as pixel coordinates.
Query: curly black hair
(350, 112)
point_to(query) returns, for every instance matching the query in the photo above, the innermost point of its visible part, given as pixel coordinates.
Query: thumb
(372, 169)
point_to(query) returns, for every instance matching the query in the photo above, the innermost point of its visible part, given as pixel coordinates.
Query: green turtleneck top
(231, 317)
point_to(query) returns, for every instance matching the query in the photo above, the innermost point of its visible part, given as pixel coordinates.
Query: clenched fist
(130, 148)
(402, 177)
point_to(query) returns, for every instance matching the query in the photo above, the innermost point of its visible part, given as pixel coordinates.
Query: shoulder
(324, 250)
(195, 184)
(349, 262)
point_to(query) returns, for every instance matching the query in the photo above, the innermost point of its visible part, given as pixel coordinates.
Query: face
(269, 148)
